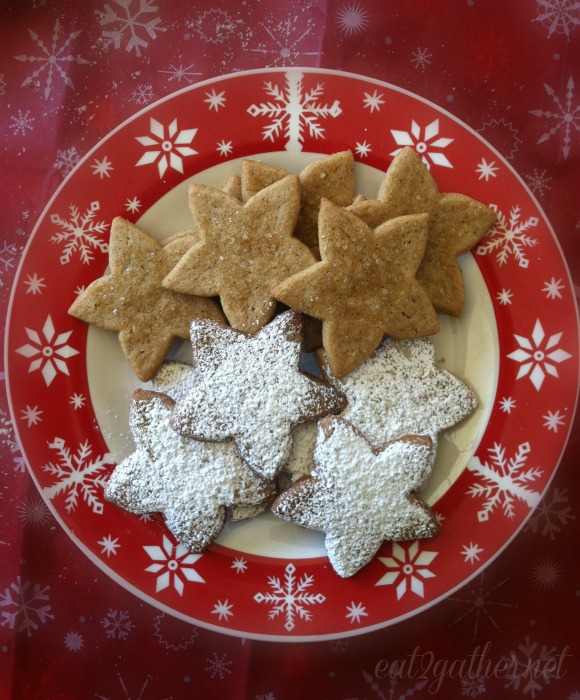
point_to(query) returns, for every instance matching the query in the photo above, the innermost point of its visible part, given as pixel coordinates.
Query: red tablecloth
(72, 71)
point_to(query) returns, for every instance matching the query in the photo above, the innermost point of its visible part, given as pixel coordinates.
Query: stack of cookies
(276, 263)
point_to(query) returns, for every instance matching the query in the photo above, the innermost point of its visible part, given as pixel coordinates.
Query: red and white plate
(516, 343)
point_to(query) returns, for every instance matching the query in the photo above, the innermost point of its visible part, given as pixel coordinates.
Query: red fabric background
(510, 70)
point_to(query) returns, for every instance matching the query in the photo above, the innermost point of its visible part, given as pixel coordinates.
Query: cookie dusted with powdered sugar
(192, 483)
(249, 388)
(360, 496)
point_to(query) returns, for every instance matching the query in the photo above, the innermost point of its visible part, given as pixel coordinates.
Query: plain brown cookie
(132, 301)
(364, 287)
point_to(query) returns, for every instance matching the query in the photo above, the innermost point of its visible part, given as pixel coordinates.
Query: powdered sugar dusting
(359, 496)
(191, 482)
(250, 388)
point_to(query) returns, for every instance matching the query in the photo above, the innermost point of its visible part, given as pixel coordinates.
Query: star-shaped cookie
(249, 388)
(456, 224)
(245, 249)
(132, 301)
(364, 287)
(360, 496)
(400, 391)
(192, 483)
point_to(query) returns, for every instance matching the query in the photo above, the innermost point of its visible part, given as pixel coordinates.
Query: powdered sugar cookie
(192, 483)
(360, 496)
(400, 390)
(249, 388)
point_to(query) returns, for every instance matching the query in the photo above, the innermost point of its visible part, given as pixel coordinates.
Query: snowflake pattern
(286, 37)
(293, 110)
(551, 515)
(352, 19)
(486, 170)
(355, 612)
(215, 100)
(424, 141)
(559, 16)
(34, 284)
(34, 512)
(102, 167)
(507, 404)
(7, 253)
(25, 607)
(480, 602)
(179, 73)
(77, 474)
(565, 116)
(509, 237)
(21, 123)
(173, 564)
(218, 665)
(553, 420)
(504, 297)
(66, 160)
(538, 355)
(52, 59)
(421, 58)
(80, 234)
(240, 565)
(409, 566)
(531, 667)
(49, 353)
(131, 24)
(117, 624)
(133, 205)
(470, 552)
(109, 545)
(503, 480)
(223, 609)
(374, 101)
(539, 182)
(472, 686)
(363, 149)
(289, 598)
(175, 145)
(553, 288)
(142, 94)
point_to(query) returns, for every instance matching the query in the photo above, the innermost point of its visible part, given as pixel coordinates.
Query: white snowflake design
(509, 237)
(52, 60)
(7, 253)
(560, 16)
(240, 565)
(49, 353)
(223, 609)
(352, 19)
(117, 624)
(169, 150)
(293, 110)
(23, 608)
(486, 170)
(133, 205)
(553, 420)
(538, 355)
(289, 598)
(109, 545)
(80, 234)
(503, 480)
(424, 141)
(132, 24)
(504, 296)
(173, 565)
(77, 474)
(215, 100)
(66, 160)
(22, 123)
(355, 612)
(73, 641)
(531, 667)
(564, 116)
(507, 404)
(363, 149)
(409, 566)
(218, 666)
(142, 94)
(553, 288)
(102, 167)
(552, 514)
(480, 603)
(285, 37)
(34, 284)
(374, 101)
(470, 552)
(539, 182)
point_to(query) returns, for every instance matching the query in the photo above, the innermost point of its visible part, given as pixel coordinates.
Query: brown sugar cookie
(245, 249)
(364, 287)
(360, 496)
(256, 175)
(456, 224)
(330, 178)
(249, 388)
(192, 483)
(131, 300)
